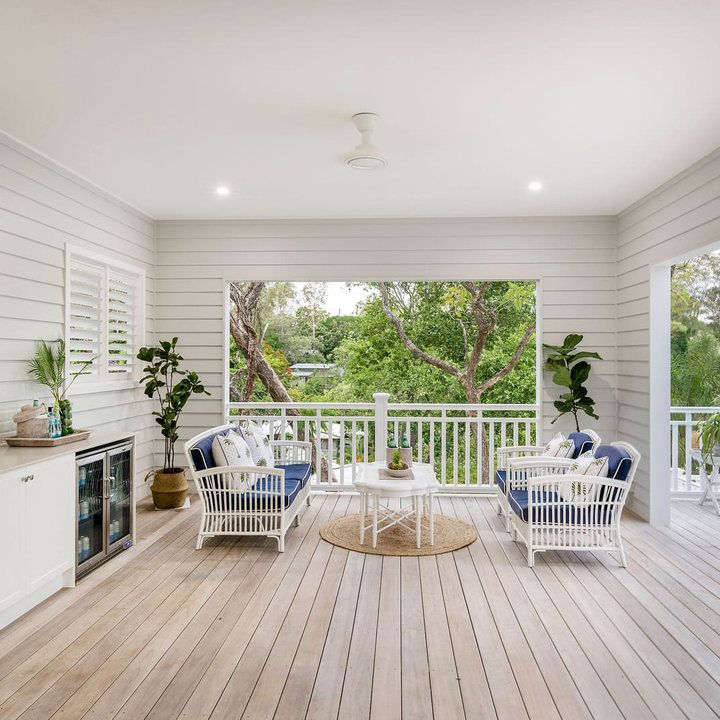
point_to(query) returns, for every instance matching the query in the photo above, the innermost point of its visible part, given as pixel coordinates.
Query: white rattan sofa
(249, 500)
(575, 512)
(518, 462)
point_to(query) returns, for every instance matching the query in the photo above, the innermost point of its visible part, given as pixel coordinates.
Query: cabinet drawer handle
(27, 478)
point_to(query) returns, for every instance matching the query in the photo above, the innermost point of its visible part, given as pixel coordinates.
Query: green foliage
(695, 332)
(160, 380)
(47, 367)
(570, 369)
(709, 435)
(695, 370)
(370, 356)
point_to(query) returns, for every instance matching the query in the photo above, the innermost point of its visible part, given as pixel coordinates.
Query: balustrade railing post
(689, 422)
(381, 420)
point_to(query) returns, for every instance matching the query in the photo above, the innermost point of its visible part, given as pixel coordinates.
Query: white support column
(660, 474)
(381, 420)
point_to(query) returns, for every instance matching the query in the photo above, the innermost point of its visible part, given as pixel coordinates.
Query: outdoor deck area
(165, 631)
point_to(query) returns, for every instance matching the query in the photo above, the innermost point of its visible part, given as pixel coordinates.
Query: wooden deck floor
(236, 630)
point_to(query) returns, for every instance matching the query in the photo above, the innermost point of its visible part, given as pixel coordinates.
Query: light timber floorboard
(237, 630)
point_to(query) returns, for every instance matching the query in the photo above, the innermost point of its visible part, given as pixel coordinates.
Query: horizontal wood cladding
(42, 208)
(680, 217)
(574, 257)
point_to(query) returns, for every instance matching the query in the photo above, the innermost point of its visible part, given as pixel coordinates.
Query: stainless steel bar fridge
(105, 504)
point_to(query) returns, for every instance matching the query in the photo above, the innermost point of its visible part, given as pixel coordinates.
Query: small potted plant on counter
(172, 387)
(396, 467)
(48, 367)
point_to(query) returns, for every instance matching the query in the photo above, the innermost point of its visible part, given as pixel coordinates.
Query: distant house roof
(311, 366)
(302, 373)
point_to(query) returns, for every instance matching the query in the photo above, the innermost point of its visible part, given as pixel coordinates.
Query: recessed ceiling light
(222, 190)
(535, 186)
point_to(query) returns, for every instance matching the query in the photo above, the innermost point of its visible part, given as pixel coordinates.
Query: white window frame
(104, 380)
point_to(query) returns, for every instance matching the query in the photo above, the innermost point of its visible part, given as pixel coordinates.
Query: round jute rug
(450, 534)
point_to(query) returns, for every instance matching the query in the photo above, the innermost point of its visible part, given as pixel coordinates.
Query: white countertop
(12, 458)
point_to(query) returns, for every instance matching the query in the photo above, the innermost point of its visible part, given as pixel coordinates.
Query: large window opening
(458, 360)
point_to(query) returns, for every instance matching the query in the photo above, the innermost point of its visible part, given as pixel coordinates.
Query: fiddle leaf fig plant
(570, 368)
(164, 379)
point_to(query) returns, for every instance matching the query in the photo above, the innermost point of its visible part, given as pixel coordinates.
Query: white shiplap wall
(680, 217)
(574, 257)
(43, 207)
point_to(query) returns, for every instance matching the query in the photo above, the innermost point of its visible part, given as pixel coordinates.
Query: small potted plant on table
(403, 447)
(396, 467)
(172, 387)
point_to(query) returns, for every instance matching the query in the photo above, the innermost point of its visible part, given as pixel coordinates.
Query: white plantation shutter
(121, 322)
(85, 318)
(104, 317)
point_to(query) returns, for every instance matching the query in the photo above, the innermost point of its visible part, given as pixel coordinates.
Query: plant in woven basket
(172, 387)
(48, 367)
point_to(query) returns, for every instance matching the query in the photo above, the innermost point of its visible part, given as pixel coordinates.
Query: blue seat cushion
(619, 461)
(261, 497)
(501, 479)
(582, 442)
(560, 513)
(201, 453)
(297, 471)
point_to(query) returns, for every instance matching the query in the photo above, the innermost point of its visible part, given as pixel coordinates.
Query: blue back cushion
(582, 441)
(619, 461)
(201, 453)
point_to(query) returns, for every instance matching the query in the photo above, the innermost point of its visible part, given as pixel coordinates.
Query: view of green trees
(696, 332)
(440, 342)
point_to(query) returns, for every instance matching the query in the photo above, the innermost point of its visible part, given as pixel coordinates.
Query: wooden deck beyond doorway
(237, 630)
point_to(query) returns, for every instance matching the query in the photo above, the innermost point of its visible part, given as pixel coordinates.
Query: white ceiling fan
(366, 155)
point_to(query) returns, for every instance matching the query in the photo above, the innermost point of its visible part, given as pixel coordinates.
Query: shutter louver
(85, 318)
(121, 324)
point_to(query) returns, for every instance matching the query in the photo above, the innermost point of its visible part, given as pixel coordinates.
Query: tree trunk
(244, 335)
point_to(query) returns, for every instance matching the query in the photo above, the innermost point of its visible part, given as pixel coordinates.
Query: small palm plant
(47, 367)
(710, 437)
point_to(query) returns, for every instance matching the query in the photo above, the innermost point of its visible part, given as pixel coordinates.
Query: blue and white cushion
(259, 444)
(587, 464)
(231, 449)
(559, 446)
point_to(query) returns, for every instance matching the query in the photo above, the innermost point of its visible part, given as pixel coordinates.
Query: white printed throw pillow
(559, 446)
(231, 449)
(259, 444)
(587, 464)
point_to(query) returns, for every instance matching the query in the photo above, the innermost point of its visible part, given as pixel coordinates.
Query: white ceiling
(159, 101)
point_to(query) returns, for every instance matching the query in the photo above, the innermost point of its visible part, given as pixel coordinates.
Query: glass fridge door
(119, 494)
(90, 507)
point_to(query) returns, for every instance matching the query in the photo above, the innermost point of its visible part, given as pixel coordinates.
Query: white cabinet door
(12, 537)
(49, 525)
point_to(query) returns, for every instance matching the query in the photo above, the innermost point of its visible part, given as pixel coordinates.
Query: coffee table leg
(431, 518)
(418, 519)
(363, 514)
(374, 520)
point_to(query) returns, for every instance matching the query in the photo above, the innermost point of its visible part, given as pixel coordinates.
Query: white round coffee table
(374, 485)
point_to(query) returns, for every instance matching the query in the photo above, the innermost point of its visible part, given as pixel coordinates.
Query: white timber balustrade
(684, 438)
(459, 440)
